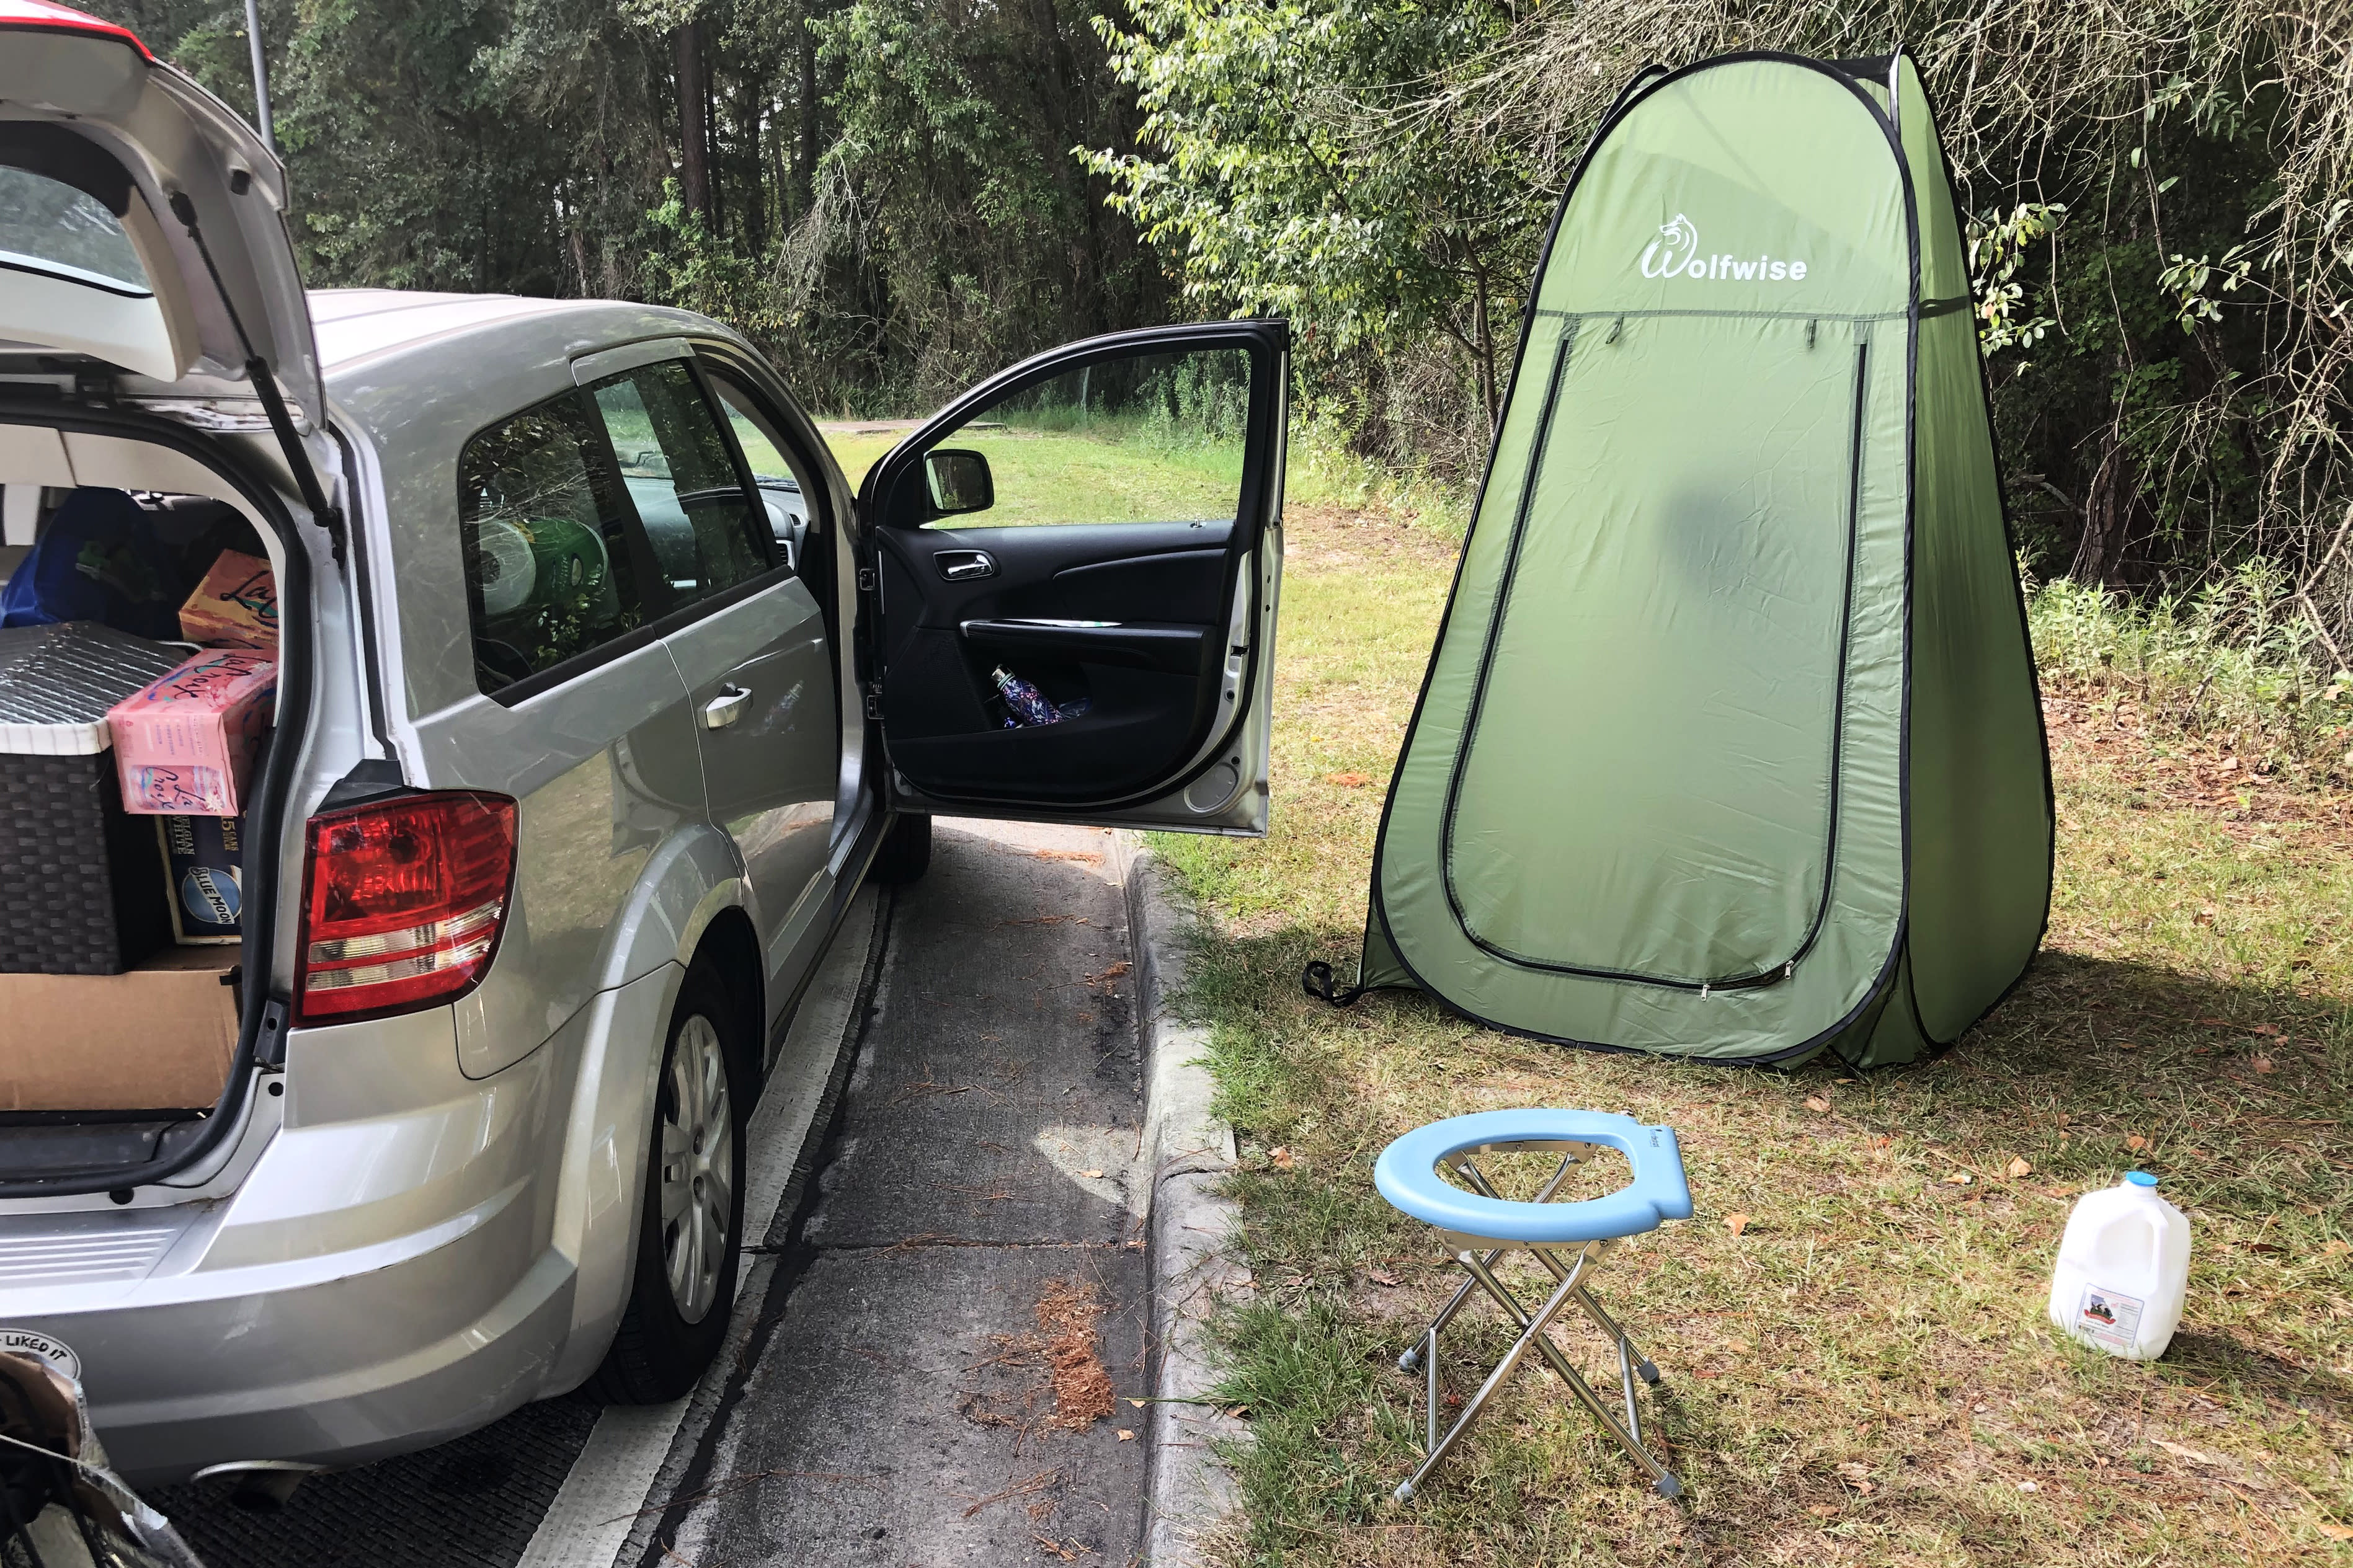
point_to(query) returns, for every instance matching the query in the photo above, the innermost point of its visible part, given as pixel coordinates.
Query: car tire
(906, 852)
(682, 1281)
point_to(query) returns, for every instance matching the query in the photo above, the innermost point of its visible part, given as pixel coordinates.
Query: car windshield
(46, 226)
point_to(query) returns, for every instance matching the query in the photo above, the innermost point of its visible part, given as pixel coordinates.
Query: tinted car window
(781, 474)
(706, 533)
(548, 569)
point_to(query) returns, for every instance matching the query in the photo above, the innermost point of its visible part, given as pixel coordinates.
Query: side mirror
(958, 480)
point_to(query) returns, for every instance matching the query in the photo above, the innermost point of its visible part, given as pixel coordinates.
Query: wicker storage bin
(87, 877)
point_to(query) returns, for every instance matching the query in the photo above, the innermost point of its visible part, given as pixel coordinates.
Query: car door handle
(966, 566)
(727, 707)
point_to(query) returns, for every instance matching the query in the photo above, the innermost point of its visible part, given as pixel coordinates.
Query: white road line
(605, 1492)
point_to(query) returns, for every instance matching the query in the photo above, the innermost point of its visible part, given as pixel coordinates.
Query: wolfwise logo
(1676, 254)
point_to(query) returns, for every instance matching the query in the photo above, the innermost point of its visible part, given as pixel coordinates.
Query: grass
(2237, 661)
(1859, 1370)
(1108, 473)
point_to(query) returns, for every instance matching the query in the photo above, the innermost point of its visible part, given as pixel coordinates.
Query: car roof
(360, 326)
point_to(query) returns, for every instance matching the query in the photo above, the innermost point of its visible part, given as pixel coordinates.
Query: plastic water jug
(2124, 1264)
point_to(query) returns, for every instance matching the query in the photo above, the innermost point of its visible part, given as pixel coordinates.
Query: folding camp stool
(1480, 1226)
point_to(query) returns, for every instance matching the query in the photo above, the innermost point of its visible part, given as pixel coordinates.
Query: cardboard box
(182, 745)
(235, 606)
(157, 1038)
(203, 877)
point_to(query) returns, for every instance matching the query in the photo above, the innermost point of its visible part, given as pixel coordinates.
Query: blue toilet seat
(1407, 1175)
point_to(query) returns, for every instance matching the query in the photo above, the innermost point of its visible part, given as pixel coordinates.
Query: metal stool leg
(1411, 1358)
(1532, 1332)
(1663, 1480)
(1644, 1368)
(1628, 1357)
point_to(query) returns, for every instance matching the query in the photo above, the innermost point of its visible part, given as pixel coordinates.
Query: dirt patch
(1067, 1349)
(1069, 1313)
(2106, 730)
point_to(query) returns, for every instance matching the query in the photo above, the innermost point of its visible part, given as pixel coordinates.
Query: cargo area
(138, 690)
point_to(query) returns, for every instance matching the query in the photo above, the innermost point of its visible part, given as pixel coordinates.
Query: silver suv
(598, 694)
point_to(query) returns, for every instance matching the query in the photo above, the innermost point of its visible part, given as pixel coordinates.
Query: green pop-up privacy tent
(1730, 746)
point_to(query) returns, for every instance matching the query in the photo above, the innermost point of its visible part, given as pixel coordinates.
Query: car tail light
(401, 902)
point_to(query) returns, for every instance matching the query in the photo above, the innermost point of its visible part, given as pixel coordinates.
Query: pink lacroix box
(235, 606)
(181, 745)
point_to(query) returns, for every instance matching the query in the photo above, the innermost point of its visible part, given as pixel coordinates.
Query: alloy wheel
(698, 1167)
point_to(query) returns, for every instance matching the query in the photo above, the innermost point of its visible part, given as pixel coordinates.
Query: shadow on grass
(2234, 1092)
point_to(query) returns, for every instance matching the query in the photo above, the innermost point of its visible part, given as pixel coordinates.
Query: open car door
(1073, 576)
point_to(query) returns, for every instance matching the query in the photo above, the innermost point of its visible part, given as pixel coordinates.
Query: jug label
(2108, 1317)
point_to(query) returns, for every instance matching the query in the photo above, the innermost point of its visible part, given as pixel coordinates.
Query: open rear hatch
(150, 303)
(141, 223)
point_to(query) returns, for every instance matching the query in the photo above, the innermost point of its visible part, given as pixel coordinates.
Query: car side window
(549, 573)
(706, 533)
(782, 474)
(1153, 438)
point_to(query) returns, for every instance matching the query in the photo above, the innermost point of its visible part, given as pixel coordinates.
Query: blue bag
(99, 560)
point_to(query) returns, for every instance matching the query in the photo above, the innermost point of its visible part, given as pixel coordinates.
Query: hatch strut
(265, 386)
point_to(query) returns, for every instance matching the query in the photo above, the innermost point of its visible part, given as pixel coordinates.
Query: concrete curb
(1189, 1491)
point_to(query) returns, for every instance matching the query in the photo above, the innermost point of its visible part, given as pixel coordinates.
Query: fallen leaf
(1382, 1277)
(1854, 1471)
(1348, 781)
(2263, 1064)
(2336, 1246)
(1821, 1509)
(2190, 1454)
(1817, 1103)
(2135, 1142)
(2216, 1023)
(1238, 1412)
(2127, 1045)
(1282, 1159)
(2270, 1029)
(1960, 1179)
(2336, 1531)
(1880, 1140)
(1139, 1403)
(2019, 1167)
(1091, 1175)
(1125, 1436)
(1735, 1222)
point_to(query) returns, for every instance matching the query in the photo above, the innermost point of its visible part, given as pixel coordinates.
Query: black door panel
(1141, 645)
(1145, 682)
(1133, 477)
(1182, 585)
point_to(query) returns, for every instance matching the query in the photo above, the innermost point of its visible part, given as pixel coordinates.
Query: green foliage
(896, 197)
(1289, 166)
(1998, 246)
(2236, 659)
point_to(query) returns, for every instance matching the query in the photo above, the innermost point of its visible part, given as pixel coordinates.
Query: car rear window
(549, 570)
(47, 227)
(705, 529)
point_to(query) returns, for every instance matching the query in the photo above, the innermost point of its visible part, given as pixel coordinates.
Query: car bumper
(385, 1277)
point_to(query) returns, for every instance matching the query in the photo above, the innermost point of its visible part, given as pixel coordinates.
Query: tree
(1296, 158)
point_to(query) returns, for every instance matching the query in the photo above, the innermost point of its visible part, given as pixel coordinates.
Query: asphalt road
(941, 1324)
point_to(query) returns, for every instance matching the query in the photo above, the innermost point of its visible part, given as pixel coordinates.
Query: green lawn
(1054, 476)
(1858, 1369)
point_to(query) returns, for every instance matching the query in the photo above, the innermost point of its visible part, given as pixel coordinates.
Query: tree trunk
(694, 121)
(2100, 552)
(805, 164)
